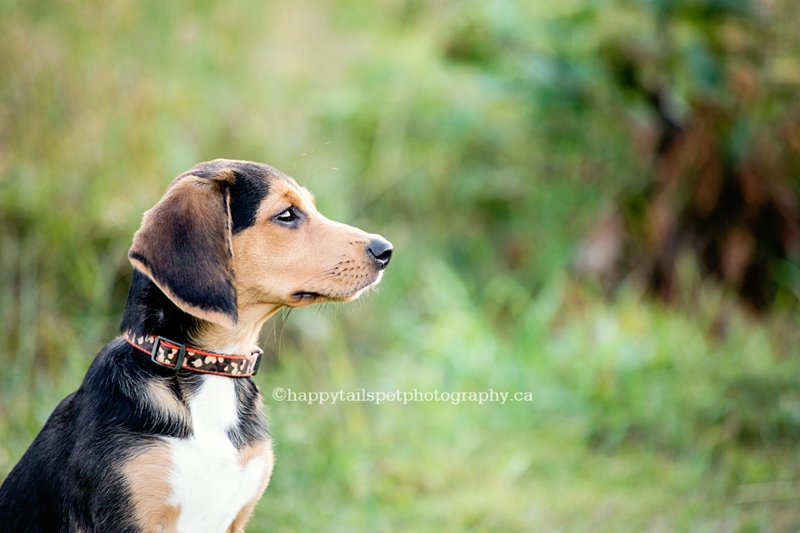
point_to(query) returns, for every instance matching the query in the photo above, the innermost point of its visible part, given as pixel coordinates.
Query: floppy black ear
(184, 246)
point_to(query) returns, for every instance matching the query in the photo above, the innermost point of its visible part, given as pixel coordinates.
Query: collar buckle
(181, 353)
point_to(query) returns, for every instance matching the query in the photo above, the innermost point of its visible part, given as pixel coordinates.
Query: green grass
(643, 416)
(633, 425)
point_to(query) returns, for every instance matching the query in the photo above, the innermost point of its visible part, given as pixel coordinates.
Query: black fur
(149, 311)
(69, 479)
(250, 188)
(184, 243)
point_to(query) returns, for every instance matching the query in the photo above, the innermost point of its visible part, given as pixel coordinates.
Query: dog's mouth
(304, 298)
(336, 294)
(307, 295)
(310, 297)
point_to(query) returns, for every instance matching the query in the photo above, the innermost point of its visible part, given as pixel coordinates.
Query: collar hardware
(181, 354)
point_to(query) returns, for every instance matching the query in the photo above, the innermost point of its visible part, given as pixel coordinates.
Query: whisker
(257, 293)
(329, 272)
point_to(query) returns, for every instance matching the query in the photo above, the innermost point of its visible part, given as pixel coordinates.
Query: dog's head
(234, 234)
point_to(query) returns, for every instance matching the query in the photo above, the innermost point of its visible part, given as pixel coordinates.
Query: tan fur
(161, 399)
(244, 515)
(273, 262)
(146, 475)
(261, 449)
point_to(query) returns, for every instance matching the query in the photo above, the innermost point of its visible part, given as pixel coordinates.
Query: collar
(177, 356)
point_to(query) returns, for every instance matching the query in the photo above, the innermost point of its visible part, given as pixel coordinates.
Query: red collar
(171, 354)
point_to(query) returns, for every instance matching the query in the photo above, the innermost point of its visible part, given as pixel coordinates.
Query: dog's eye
(288, 216)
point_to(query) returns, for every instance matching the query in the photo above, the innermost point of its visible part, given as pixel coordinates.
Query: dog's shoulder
(121, 407)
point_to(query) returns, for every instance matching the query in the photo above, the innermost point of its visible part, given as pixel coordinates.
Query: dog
(167, 431)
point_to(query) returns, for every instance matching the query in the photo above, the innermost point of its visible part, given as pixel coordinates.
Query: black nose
(380, 251)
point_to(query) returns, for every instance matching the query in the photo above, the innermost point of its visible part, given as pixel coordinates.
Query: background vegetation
(489, 140)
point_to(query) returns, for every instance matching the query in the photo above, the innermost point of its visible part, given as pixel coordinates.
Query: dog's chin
(303, 298)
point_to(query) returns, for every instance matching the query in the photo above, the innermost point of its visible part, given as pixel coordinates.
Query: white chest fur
(209, 484)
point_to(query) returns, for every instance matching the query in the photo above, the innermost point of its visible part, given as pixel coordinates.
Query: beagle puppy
(167, 431)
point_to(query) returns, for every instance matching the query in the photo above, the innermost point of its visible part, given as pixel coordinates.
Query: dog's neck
(149, 312)
(242, 337)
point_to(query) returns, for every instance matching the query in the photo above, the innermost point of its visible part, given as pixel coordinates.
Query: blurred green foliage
(482, 138)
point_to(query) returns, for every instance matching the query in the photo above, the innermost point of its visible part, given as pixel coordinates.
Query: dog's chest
(210, 483)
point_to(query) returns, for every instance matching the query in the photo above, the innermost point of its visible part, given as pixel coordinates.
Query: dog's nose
(380, 250)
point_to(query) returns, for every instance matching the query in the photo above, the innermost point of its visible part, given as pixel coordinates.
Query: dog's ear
(184, 246)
